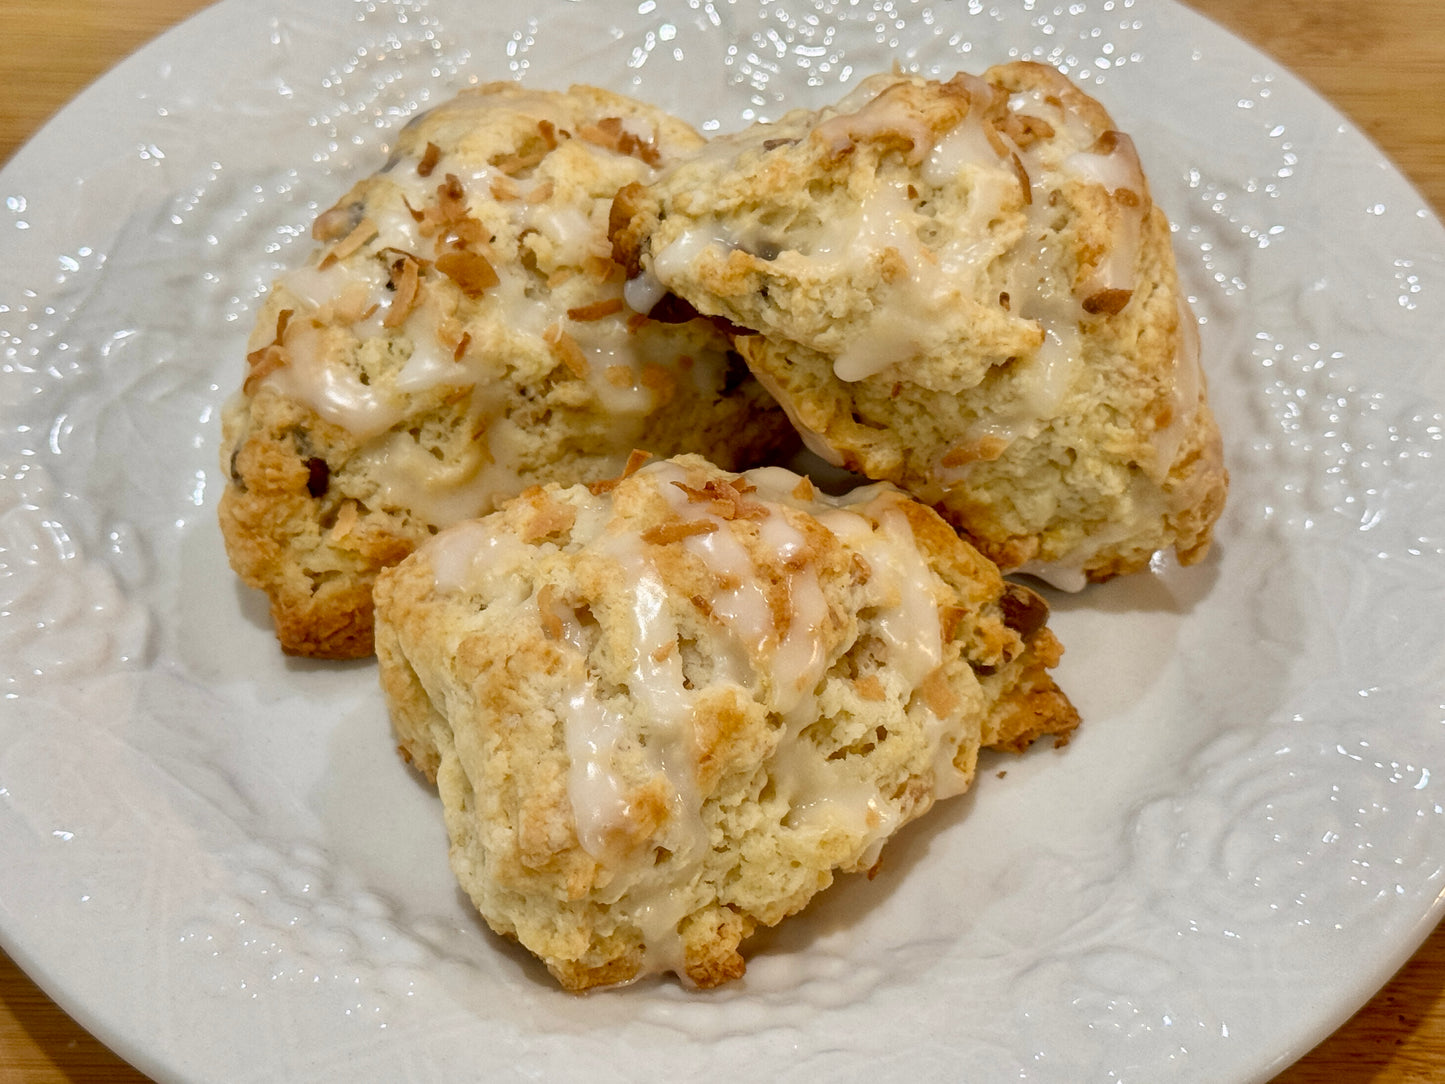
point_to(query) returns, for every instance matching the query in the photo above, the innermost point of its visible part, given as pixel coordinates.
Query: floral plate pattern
(211, 854)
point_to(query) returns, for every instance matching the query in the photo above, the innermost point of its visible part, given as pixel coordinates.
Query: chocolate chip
(1023, 610)
(318, 476)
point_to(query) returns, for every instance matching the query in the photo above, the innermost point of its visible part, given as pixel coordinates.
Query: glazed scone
(664, 712)
(964, 288)
(460, 334)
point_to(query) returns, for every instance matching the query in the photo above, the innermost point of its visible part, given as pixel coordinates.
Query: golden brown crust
(1031, 706)
(962, 287)
(460, 334)
(651, 739)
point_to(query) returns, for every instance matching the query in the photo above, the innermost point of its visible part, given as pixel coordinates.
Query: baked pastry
(964, 288)
(664, 712)
(459, 335)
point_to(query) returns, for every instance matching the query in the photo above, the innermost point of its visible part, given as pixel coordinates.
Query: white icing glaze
(676, 258)
(643, 292)
(867, 114)
(575, 234)
(900, 587)
(1069, 577)
(476, 557)
(334, 391)
(613, 749)
(595, 736)
(314, 286)
(966, 148)
(900, 581)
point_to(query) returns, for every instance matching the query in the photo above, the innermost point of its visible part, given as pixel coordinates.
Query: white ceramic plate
(212, 856)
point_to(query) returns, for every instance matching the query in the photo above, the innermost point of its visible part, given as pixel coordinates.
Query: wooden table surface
(1383, 64)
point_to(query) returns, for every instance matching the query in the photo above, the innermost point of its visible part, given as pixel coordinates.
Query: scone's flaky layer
(459, 334)
(962, 287)
(664, 712)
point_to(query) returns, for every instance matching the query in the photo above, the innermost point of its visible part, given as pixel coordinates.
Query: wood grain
(1382, 64)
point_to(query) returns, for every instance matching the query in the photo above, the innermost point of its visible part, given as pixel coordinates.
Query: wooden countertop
(1383, 64)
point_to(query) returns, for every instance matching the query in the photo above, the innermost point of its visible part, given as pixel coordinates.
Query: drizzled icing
(1002, 228)
(360, 364)
(777, 653)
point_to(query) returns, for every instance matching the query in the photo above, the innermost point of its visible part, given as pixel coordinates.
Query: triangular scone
(459, 334)
(962, 287)
(663, 713)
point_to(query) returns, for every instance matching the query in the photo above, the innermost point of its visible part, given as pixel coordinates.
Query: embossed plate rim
(273, 888)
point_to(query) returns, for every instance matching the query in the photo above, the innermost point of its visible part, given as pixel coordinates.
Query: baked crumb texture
(664, 711)
(964, 288)
(459, 334)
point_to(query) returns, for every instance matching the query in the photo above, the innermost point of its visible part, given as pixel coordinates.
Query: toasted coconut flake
(406, 278)
(364, 231)
(610, 133)
(347, 518)
(664, 533)
(452, 199)
(635, 461)
(1109, 302)
(469, 270)
(985, 449)
(597, 310)
(460, 350)
(469, 233)
(727, 500)
(542, 192)
(804, 490)
(503, 188)
(513, 164)
(1026, 184)
(566, 350)
(283, 321)
(429, 160)
(548, 517)
(1026, 130)
(603, 269)
(263, 362)
(995, 141)
(336, 222)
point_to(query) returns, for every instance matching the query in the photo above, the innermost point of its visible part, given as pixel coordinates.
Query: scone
(964, 288)
(664, 712)
(460, 334)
